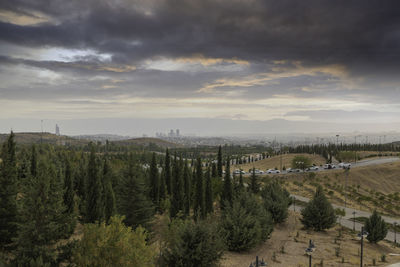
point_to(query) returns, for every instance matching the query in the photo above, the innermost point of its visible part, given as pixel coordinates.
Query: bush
(318, 213)
(301, 162)
(246, 223)
(113, 245)
(376, 228)
(276, 201)
(192, 244)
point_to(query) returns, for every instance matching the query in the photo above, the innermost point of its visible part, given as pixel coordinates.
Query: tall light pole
(346, 170)
(394, 226)
(354, 220)
(310, 250)
(361, 236)
(337, 140)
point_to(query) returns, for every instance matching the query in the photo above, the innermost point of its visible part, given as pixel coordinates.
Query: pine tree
(208, 193)
(254, 185)
(8, 193)
(199, 203)
(154, 181)
(227, 194)
(94, 200)
(177, 188)
(109, 196)
(163, 189)
(167, 171)
(80, 184)
(376, 228)
(318, 213)
(69, 189)
(241, 184)
(276, 201)
(186, 182)
(219, 162)
(42, 219)
(134, 204)
(33, 161)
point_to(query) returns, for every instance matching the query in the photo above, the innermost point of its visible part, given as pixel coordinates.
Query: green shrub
(376, 228)
(276, 201)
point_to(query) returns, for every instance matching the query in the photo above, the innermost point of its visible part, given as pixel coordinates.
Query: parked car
(312, 168)
(344, 165)
(272, 171)
(329, 166)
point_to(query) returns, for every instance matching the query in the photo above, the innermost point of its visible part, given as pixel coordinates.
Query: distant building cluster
(171, 133)
(57, 130)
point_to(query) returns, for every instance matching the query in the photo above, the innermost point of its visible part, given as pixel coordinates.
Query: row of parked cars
(327, 166)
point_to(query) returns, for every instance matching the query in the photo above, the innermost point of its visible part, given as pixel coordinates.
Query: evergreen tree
(154, 181)
(177, 188)
(109, 196)
(80, 184)
(241, 184)
(208, 193)
(94, 200)
(134, 202)
(219, 162)
(187, 194)
(199, 203)
(227, 194)
(214, 172)
(376, 228)
(33, 161)
(254, 185)
(318, 213)
(167, 172)
(163, 189)
(69, 189)
(8, 193)
(42, 217)
(276, 201)
(245, 223)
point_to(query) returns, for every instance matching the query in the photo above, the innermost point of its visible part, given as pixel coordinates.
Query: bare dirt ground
(342, 252)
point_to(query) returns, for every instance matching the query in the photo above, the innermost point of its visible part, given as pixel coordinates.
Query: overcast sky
(226, 62)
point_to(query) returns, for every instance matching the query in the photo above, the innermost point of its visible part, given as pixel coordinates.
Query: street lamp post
(346, 169)
(354, 220)
(258, 263)
(394, 224)
(361, 236)
(310, 250)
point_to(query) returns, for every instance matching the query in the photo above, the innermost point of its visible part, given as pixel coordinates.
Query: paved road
(362, 163)
(346, 220)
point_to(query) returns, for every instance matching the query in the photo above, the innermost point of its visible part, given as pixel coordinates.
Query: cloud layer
(246, 60)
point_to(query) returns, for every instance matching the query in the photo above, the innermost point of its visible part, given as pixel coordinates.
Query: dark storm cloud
(363, 35)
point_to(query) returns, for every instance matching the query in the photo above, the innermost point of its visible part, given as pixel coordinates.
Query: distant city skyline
(206, 67)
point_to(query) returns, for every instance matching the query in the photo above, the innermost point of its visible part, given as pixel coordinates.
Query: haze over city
(207, 67)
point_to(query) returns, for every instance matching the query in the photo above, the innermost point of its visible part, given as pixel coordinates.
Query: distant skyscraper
(171, 133)
(177, 133)
(57, 130)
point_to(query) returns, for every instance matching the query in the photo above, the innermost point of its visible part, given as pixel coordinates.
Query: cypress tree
(214, 172)
(135, 204)
(219, 162)
(241, 184)
(167, 171)
(33, 161)
(80, 184)
(227, 194)
(177, 188)
(109, 196)
(199, 203)
(154, 181)
(8, 193)
(254, 185)
(94, 205)
(43, 219)
(69, 189)
(187, 195)
(163, 189)
(209, 194)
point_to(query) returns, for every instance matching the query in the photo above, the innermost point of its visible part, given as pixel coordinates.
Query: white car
(329, 166)
(272, 171)
(344, 165)
(312, 168)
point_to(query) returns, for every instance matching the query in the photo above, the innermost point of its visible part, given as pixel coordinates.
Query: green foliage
(187, 186)
(177, 188)
(42, 218)
(246, 223)
(134, 203)
(193, 245)
(276, 201)
(219, 162)
(254, 185)
(94, 203)
(8, 193)
(301, 162)
(227, 194)
(154, 181)
(208, 193)
(199, 201)
(167, 172)
(376, 228)
(318, 213)
(109, 195)
(113, 245)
